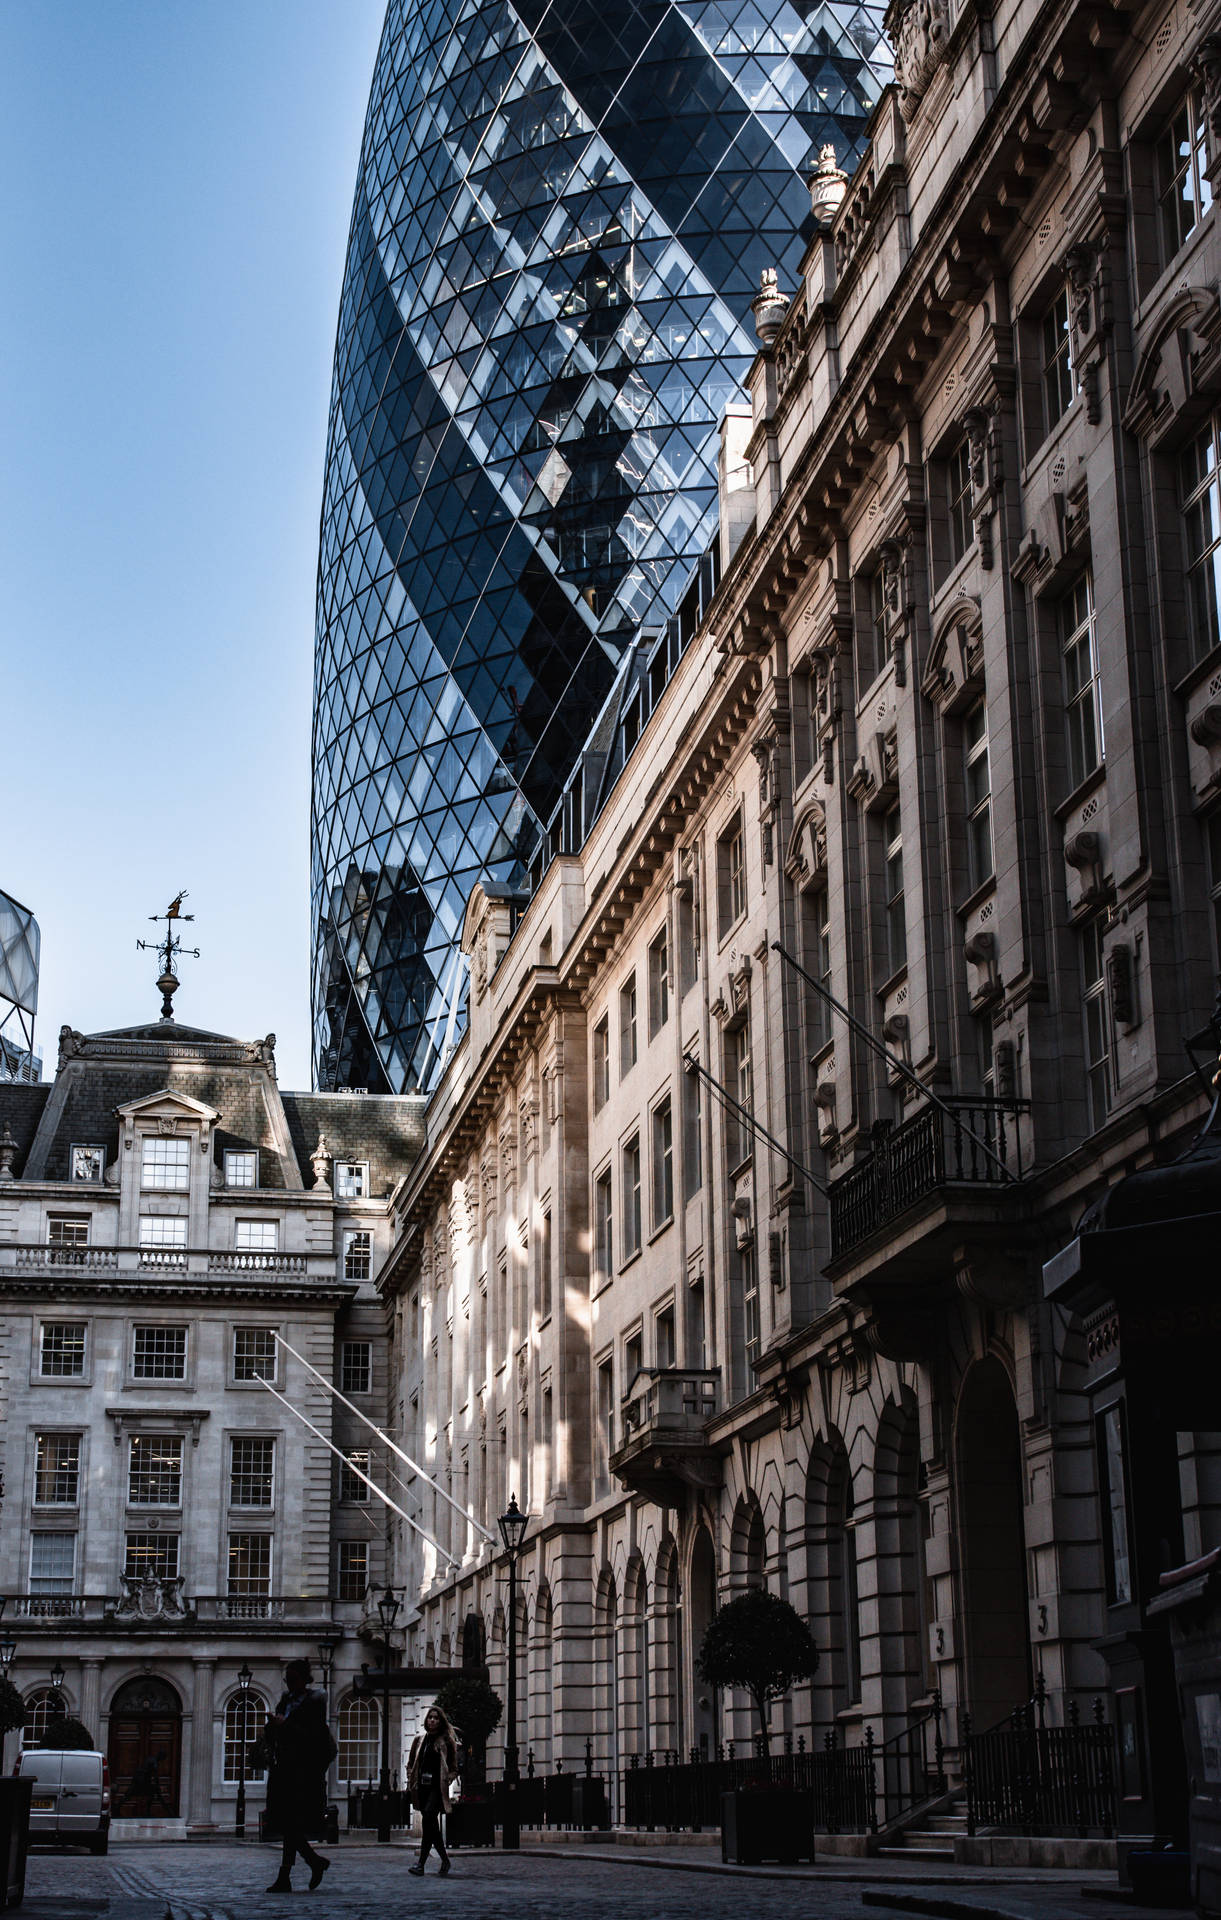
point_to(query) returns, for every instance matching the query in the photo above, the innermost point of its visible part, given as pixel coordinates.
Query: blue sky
(178, 178)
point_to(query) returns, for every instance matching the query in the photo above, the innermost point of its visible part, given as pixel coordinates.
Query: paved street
(226, 1882)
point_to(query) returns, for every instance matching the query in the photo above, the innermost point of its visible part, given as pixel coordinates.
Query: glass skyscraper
(561, 217)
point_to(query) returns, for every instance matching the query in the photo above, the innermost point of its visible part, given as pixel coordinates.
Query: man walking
(300, 1749)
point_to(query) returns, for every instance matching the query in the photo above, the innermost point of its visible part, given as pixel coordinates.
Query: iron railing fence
(911, 1765)
(1023, 1776)
(662, 1790)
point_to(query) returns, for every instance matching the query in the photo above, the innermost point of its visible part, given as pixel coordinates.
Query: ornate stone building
(165, 1212)
(796, 1067)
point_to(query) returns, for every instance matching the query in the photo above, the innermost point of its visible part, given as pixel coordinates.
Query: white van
(71, 1800)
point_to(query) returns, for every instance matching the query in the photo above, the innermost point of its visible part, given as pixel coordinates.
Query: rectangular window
(628, 1043)
(61, 1354)
(1082, 692)
(249, 1565)
(159, 1353)
(356, 1366)
(601, 1063)
(52, 1562)
(352, 1489)
(879, 625)
(816, 942)
(1181, 165)
(87, 1164)
(1112, 1462)
(633, 1359)
(739, 1137)
(978, 783)
(351, 1179)
(663, 1337)
(731, 876)
(545, 1259)
(1097, 1024)
(893, 893)
(155, 1553)
(68, 1230)
(688, 945)
(358, 1254)
(1059, 384)
(604, 1430)
(164, 1233)
(749, 1271)
(545, 1435)
(254, 1353)
(241, 1168)
(57, 1469)
(663, 1163)
(256, 1236)
(604, 1225)
(154, 1470)
(166, 1164)
(351, 1569)
(659, 982)
(693, 1135)
(631, 1197)
(252, 1469)
(958, 491)
(1200, 494)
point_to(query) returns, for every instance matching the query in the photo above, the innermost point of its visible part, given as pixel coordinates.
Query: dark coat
(300, 1751)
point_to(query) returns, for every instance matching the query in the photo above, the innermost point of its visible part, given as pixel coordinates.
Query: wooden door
(145, 1751)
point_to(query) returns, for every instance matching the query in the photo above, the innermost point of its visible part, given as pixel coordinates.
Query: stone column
(199, 1776)
(91, 1697)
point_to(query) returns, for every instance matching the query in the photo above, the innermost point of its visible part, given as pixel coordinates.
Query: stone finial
(320, 1160)
(828, 185)
(8, 1152)
(769, 307)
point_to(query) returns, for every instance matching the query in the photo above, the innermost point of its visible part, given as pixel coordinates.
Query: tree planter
(471, 1824)
(767, 1823)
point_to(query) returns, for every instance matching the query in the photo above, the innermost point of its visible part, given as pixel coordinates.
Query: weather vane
(168, 950)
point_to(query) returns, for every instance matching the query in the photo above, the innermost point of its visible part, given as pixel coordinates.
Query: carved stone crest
(150, 1598)
(920, 32)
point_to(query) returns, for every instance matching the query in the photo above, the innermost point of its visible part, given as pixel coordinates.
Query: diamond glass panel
(561, 216)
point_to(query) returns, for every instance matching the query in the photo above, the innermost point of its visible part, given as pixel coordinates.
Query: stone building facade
(165, 1212)
(731, 1283)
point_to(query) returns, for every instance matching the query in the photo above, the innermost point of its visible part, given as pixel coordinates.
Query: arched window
(41, 1708)
(237, 1729)
(358, 1738)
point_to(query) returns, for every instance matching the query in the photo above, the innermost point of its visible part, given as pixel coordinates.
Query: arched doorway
(993, 1545)
(145, 1749)
(701, 1608)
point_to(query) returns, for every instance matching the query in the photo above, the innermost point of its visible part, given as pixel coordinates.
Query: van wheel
(100, 1843)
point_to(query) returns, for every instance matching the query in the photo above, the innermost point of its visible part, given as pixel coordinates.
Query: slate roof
(21, 1109)
(387, 1130)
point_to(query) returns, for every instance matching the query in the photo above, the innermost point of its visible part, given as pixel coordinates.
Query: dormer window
(351, 1179)
(241, 1168)
(87, 1164)
(167, 1164)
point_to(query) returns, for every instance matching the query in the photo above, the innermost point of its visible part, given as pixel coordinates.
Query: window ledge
(1202, 670)
(662, 1227)
(1081, 791)
(977, 897)
(889, 985)
(629, 1260)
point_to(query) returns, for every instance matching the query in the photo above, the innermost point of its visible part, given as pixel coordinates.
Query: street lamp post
(513, 1526)
(57, 1688)
(388, 1608)
(244, 1677)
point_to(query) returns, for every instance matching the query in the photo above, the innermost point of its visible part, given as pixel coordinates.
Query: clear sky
(177, 184)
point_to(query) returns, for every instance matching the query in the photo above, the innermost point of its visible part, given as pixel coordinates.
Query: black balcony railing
(936, 1147)
(1023, 1776)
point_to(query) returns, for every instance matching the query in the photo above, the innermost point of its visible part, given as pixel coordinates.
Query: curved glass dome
(561, 217)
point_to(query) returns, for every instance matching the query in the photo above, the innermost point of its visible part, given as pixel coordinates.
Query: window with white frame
(358, 1735)
(1082, 691)
(254, 1353)
(241, 1167)
(249, 1575)
(351, 1179)
(958, 501)
(604, 1225)
(356, 1366)
(61, 1349)
(631, 1197)
(731, 875)
(166, 1164)
(659, 982)
(1200, 495)
(52, 1562)
(662, 1130)
(1059, 381)
(1097, 1013)
(155, 1553)
(154, 1470)
(748, 1269)
(894, 902)
(163, 1232)
(42, 1706)
(601, 1070)
(739, 1137)
(604, 1427)
(351, 1569)
(57, 1469)
(978, 784)
(256, 1236)
(352, 1489)
(693, 1142)
(628, 1036)
(252, 1470)
(357, 1253)
(245, 1719)
(159, 1353)
(1180, 156)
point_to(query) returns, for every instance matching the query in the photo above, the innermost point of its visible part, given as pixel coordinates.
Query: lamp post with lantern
(388, 1608)
(513, 1526)
(57, 1687)
(244, 1677)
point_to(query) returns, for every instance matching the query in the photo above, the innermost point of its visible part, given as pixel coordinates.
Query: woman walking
(432, 1767)
(300, 1749)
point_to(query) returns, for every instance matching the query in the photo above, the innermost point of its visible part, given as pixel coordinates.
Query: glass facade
(561, 217)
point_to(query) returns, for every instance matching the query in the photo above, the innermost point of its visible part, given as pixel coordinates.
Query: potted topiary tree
(473, 1709)
(69, 1734)
(760, 1643)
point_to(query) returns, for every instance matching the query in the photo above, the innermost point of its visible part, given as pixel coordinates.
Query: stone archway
(992, 1540)
(144, 1749)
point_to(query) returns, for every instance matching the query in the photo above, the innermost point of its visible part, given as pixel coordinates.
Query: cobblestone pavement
(225, 1881)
